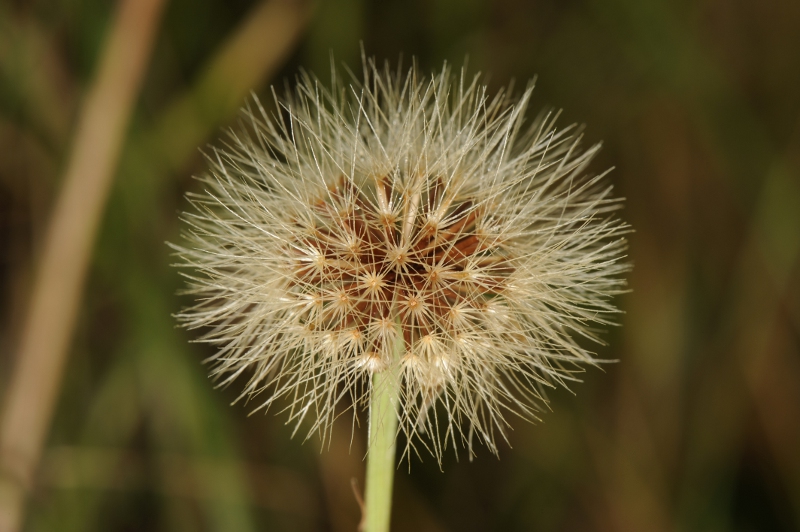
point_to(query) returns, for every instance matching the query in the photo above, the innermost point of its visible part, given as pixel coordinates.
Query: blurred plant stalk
(35, 383)
(251, 54)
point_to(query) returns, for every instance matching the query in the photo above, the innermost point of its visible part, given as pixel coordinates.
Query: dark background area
(697, 427)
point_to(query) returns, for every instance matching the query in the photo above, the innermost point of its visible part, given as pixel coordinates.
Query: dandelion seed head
(403, 208)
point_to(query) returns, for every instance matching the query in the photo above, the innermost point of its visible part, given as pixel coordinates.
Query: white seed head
(402, 206)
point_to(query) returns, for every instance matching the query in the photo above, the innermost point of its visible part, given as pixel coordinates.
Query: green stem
(381, 445)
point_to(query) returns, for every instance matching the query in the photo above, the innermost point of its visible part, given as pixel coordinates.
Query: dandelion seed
(403, 211)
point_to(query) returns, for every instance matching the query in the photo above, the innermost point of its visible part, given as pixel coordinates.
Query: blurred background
(697, 427)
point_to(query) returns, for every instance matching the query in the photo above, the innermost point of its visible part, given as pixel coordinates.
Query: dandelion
(405, 244)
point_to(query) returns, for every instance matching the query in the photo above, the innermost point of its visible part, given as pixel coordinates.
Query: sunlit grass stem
(35, 383)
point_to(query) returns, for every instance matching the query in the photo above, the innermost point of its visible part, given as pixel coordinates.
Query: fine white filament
(402, 205)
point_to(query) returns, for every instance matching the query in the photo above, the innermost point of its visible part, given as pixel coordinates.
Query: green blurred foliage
(697, 427)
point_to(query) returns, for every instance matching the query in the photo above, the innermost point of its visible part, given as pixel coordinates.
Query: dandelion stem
(381, 444)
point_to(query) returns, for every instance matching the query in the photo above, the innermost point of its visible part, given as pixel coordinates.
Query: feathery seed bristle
(402, 207)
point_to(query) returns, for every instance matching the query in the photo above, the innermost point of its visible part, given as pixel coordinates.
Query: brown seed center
(443, 265)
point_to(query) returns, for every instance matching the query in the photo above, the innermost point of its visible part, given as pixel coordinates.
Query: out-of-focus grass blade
(175, 401)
